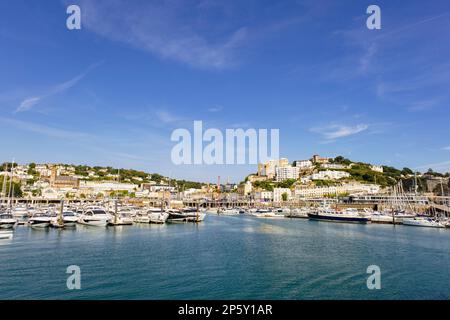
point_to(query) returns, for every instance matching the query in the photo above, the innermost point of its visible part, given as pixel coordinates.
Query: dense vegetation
(16, 188)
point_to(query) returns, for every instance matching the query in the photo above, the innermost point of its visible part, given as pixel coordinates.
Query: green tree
(284, 196)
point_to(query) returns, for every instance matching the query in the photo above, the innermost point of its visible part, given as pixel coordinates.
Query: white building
(268, 168)
(278, 194)
(377, 168)
(98, 187)
(329, 175)
(284, 173)
(303, 164)
(263, 196)
(352, 189)
(335, 166)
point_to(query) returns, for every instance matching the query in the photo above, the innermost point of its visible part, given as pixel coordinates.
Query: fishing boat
(423, 222)
(40, 220)
(331, 215)
(7, 221)
(94, 216)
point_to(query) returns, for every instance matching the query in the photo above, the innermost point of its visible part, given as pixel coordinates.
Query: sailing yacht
(423, 222)
(94, 216)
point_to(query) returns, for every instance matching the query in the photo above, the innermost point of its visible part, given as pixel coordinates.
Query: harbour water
(228, 257)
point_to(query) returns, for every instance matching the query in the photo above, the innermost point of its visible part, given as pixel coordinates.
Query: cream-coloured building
(351, 188)
(303, 164)
(376, 168)
(278, 194)
(329, 175)
(285, 173)
(268, 168)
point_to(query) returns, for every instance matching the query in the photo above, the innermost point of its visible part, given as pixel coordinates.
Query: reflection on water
(227, 257)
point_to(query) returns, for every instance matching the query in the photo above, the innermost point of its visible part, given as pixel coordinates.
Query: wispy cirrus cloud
(163, 28)
(336, 131)
(215, 109)
(44, 129)
(167, 117)
(30, 102)
(446, 148)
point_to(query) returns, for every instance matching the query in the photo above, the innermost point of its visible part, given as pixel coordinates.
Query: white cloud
(28, 103)
(163, 29)
(44, 130)
(446, 148)
(215, 109)
(335, 131)
(166, 117)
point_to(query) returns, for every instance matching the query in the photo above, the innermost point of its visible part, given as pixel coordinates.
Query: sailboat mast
(10, 195)
(5, 177)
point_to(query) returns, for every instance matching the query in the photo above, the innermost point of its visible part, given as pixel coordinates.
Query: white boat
(267, 213)
(121, 220)
(69, 220)
(21, 213)
(7, 221)
(423, 222)
(40, 220)
(299, 213)
(157, 216)
(141, 217)
(185, 215)
(227, 211)
(121, 217)
(94, 216)
(6, 234)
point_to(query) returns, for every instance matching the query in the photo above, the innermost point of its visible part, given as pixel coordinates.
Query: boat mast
(5, 169)
(60, 215)
(10, 195)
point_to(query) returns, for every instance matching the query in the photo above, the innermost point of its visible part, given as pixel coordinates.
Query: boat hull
(423, 224)
(337, 218)
(93, 222)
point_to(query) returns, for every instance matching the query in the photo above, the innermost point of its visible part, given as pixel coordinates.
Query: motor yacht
(7, 221)
(94, 216)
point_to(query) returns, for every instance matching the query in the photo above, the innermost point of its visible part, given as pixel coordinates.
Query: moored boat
(331, 215)
(94, 216)
(7, 221)
(6, 234)
(423, 222)
(40, 220)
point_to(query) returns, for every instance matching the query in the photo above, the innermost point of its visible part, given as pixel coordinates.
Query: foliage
(16, 187)
(265, 185)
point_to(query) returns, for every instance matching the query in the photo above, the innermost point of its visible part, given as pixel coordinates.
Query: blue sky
(112, 92)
